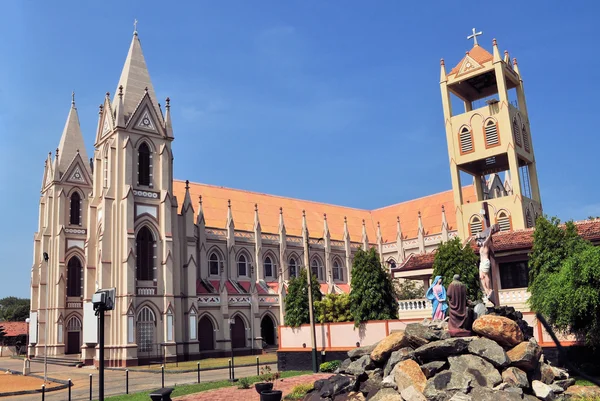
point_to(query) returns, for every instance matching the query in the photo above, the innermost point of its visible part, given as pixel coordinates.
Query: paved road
(114, 381)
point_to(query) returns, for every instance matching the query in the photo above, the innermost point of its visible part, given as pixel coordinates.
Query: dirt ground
(10, 383)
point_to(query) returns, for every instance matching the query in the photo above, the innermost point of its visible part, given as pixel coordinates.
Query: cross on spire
(135, 22)
(474, 36)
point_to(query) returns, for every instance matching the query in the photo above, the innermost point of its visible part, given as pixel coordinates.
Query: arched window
(465, 137)
(528, 219)
(75, 211)
(145, 254)
(268, 267)
(242, 266)
(214, 263)
(491, 133)
(475, 225)
(144, 165)
(525, 139)
(317, 268)
(391, 263)
(146, 324)
(516, 132)
(293, 267)
(74, 277)
(338, 270)
(504, 221)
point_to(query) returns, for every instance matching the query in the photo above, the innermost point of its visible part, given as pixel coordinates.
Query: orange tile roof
(478, 54)
(214, 204)
(13, 329)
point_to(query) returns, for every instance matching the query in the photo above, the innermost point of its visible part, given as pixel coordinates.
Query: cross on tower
(135, 22)
(474, 36)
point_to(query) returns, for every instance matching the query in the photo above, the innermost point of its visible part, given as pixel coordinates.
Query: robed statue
(458, 324)
(437, 295)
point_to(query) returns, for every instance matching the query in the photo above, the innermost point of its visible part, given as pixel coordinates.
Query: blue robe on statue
(439, 306)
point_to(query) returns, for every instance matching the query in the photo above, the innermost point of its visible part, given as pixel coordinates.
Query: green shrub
(244, 383)
(299, 391)
(330, 366)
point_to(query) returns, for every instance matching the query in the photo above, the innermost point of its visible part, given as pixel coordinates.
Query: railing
(339, 244)
(146, 290)
(216, 232)
(270, 237)
(268, 299)
(516, 297)
(416, 308)
(209, 299)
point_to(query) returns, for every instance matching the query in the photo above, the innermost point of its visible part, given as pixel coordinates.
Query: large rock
(498, 328)
(490, 351)
(482, 373)
(351, 396)
(408, 373)
(418, 335)
(344, 365)
(360, 365)
(515, 377)
(542, 391)
(386, 394)
(525, 355)
(356, 353)
(446, 384)
(334, 385)
(373, 382)
(397, 356)
(461, 397)
(486, 394)
(391, 343)
(566, 383)
(588, 392)
(439, 350)
(430, 369)
(412, 394)
(544, 373)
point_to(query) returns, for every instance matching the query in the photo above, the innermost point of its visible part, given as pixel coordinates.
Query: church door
(238, 333)
(267, 330)
(206, 334)
(73, 341)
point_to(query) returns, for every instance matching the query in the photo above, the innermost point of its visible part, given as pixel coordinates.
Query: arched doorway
(73, 335)
(206, 334)
(267, 330)
(238, 333)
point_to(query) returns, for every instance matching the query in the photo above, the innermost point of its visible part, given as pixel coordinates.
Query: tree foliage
(296, 300)
(13, 309)
(334, 308)
(565, 280)
(409, 289)
(451, 259)
(372, 294)
(2, 334)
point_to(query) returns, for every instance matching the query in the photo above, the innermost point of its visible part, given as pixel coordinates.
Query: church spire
(135, 79)
(71, 141)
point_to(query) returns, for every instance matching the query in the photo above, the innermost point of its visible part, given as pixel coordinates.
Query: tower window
(525, 139)
(504, 221)
(338, 272)
(75, 212)
(145, 254)
(144, 165)
(213, 264)
(317, 268)
(528, 219)
(475, 225)
(74, 277)
(466, 141)
(242, 266)
(517, 132)
(292, 267)
(491, 134)
(268, 267)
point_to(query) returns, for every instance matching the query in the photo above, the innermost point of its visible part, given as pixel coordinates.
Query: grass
(583, 382)
(299, 391)
(211, 363)
(199, 387)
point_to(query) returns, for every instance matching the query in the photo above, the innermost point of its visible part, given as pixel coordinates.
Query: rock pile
(424, 363)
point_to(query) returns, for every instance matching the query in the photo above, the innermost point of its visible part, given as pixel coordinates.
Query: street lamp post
(47, 318)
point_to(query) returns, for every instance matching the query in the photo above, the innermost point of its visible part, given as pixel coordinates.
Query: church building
(199, 269)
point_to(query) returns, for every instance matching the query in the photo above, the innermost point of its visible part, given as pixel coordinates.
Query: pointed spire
(365, 238)
(399, 241)
(71, 140)
(506, 57)
(229, 214)
(346, 232)
(200, 219)
(496, 52)
(443, 75)
(379, 236)
(420, 222)
(444, 225)
(256, 219)
(516, 66)
(135, 79)
(119, 111)
(304, 224)
(421, 235)
(325, 226)
(187, 200)
(398, 228)
(281, 223)
(168, 124)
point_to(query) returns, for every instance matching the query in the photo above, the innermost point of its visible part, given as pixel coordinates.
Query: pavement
(114, 380)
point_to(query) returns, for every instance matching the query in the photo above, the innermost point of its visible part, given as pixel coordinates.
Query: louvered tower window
(528, 219)
(475, 225)
(525, 139)
(145, 254)
(144, 165)
(491, 134)
(504, 221)
(75, 211)
(466, 140)
(517, 132)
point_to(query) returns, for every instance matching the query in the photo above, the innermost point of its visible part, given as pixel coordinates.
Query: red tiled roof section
(13, 329)
(478, 54)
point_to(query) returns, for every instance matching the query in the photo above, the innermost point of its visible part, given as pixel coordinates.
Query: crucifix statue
(474, 36)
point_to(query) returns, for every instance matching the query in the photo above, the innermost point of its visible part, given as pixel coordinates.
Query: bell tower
(492, 136)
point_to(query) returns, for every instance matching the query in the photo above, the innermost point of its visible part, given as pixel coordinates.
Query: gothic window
(130, 323)
(491, 133)
(75, 211)
(528, 219)
(242, 265)
(504, 221)
(391, 263)
(525, 139)
(268, 267)
(144, 165)
(317, 268)
(74, 277)
(516, 132)
(193, 327)
(145, 254)
(214, 262)
(338, 271)
(475, 225)
(293, 266)
(465, 137)
(169, 325)
(105, 167)
(146, 324)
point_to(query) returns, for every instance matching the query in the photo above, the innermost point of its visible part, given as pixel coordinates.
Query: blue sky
(334, 101)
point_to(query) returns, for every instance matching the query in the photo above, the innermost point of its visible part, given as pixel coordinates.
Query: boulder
(431, 368)
(481, 372)
(525, 355)
(344, 365)
(360, 365)
(351, 396)
(408, 373)
(566, 383)
(386, 394)
(356, 353)
(490, 351)
(335, 385)
(515, 377)
(397, 356)
(461, 397)
(542, 391)
(544, 373)
(556, 389)
(446, 384)
(487, 394)
(412, 394)
(498, 328)
(440, 350)
(559, 374)
(589, 392)
(373, 382)
(391, 343)
(389, 382)
(418, 335)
